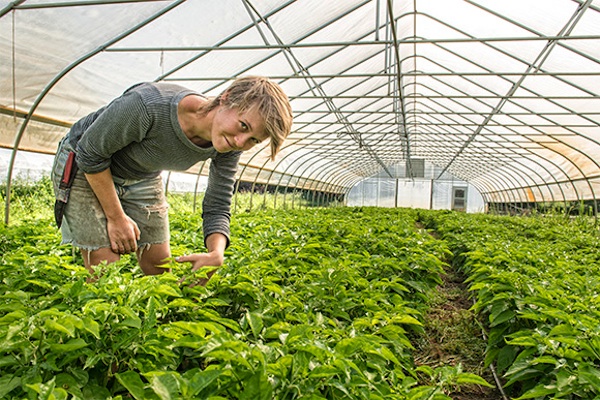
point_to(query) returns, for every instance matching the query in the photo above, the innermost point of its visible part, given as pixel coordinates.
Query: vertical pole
(431, 196)
(396, 195)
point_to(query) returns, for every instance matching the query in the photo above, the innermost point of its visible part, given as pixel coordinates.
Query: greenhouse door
(459, 198)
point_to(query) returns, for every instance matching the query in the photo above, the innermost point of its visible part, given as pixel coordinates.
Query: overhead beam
(344, 44)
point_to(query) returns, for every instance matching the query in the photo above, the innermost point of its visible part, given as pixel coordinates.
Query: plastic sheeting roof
(502, 94)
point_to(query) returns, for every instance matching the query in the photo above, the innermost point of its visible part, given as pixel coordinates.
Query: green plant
(310, 304)
(535, 280)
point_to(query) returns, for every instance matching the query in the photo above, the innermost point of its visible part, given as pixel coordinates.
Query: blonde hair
(270, 101)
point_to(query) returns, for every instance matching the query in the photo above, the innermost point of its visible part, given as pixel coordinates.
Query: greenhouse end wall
(416, 193)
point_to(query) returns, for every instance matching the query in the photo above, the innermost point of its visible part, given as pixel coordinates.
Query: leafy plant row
(537, 281)
(312, 304)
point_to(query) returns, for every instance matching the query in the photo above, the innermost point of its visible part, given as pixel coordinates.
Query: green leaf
(134, 322)
(539, 391)
(13, 316)
(15, 329)
(323, 371)
(8, 361)
(256, 323)
(502, 317)
(55, 326)
(71, 345)
(150, 317)
(39, 283)
(465, 377)
(571, 341)
(48, 391)
(94, 359)
(69, 383)
(563, 330)
(246, 287)
(166, 290)
(425, 393)
(165, 385)
(524, 341)
(386, 354)
(589, 375)
(216, 302)
(426, 369)
(257, 387)
(213, 316)
(181, 302)
(132, 381)
(272, 287)
(8, 383)
(92, 327)
(406, 319)
(341, 387)
(80, 375)
(399, 288)
(545, 360)
(522, 375)
(349, 346)
(318, 351)
(203, 379)
(564, 380)
(95, 392)
(229, 353)
(199, 328)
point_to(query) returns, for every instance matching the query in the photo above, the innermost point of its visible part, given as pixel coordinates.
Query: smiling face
(233, 130)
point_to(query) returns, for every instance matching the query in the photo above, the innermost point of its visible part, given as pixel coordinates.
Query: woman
(112, 195)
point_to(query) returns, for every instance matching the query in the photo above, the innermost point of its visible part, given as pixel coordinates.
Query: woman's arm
(216, 205)
(123, 232)
(216, 213)
(216, 244)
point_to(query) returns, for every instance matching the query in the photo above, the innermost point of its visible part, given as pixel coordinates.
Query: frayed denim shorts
(84, 222)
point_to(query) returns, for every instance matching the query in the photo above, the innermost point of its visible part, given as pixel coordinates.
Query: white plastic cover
(502, 94)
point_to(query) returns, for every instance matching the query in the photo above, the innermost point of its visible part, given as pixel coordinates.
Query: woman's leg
(152, 256)
(84, 222)
(92, 258)
(144, 201)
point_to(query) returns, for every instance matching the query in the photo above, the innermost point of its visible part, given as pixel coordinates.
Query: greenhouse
(428, 229)
(501, 96)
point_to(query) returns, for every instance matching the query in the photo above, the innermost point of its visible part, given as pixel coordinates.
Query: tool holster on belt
(66, 182)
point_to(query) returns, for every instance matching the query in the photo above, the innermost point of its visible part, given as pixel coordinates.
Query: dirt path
(453, 336)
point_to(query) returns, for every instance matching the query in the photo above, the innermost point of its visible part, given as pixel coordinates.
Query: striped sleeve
(216, 206)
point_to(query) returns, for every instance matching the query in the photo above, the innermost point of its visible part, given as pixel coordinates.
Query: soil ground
(453, 336)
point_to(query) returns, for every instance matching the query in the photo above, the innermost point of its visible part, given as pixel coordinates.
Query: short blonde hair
(270, 101)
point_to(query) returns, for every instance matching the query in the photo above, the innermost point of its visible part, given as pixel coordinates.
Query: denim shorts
(84, 222)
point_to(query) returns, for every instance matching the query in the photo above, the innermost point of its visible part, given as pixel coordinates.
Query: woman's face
(232, 130)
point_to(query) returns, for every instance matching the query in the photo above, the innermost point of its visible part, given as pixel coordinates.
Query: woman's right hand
(123, 234)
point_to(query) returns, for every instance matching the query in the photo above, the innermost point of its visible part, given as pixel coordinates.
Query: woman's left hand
(199, 260)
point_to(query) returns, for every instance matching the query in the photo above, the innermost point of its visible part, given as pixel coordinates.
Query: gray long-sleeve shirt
(138, 136)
